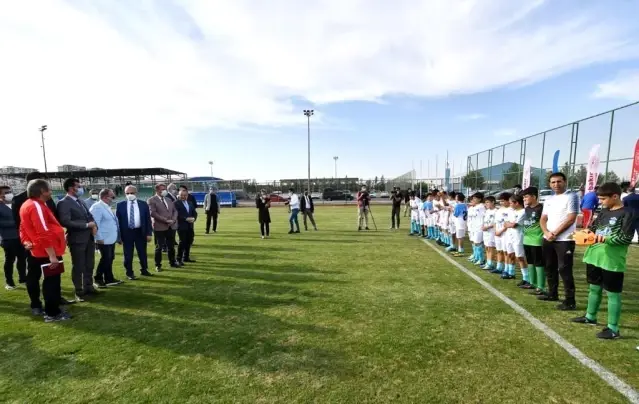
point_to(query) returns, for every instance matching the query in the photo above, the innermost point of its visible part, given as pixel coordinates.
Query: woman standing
(263, 203)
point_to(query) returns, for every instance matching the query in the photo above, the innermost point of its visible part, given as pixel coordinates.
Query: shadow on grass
(28, 366)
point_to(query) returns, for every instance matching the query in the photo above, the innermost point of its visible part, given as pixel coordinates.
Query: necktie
(83, 206)
(131, 216)
(165, 204)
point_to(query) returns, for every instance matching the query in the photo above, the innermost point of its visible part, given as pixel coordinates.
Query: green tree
(512, 176)
(474, 179)
(376, 183)
(382, 183)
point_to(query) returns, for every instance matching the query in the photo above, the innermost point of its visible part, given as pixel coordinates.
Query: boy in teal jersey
(533, 242)
(606, 259)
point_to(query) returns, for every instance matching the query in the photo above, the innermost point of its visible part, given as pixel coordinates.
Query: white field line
(613, 380)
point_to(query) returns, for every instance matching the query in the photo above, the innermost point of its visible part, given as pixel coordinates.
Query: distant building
(493, 175)
(318, 184)
(71, 167)
(16, 170)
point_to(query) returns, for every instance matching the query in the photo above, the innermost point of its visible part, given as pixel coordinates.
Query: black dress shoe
(132, 277)
(65, 302)
(79, 298)
(175, 265)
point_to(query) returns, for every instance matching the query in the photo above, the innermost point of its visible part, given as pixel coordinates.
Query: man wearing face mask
(93, 198)
(10, 240)
(106, 237)
(136, 230)
(294, 206)
(192, 200)
(163, 217)
(308, 209)
(186, 217)
(74, 215)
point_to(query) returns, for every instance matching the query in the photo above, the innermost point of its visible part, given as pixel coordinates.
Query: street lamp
(44, 154)
(335, 158)
(211, 164)
(308, 113)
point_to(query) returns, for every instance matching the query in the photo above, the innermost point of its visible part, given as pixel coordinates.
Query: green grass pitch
(334, 316)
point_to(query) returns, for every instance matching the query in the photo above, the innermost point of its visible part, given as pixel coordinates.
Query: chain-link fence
(615, 131)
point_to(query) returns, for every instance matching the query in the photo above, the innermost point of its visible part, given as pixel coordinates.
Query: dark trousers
(395, 215)
(184, 246)
(14, 252)
(50, 287)
(211, 215)
(307, 214)
(265, 228)
(164, 239)
(558, 258)
(104, 272)
(134, 239)
(83, 262)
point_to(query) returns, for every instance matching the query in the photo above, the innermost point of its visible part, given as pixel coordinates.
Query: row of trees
(513, 176)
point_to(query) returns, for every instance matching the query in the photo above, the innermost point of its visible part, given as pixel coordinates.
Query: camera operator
(363, 207)
(396, 198)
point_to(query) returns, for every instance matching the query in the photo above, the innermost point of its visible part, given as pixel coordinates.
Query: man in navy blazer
(187, 215)
(134, 218)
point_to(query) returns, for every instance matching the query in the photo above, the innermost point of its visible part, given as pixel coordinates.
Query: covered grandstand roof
(114, 172)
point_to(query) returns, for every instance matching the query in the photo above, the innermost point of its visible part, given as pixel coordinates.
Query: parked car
(330, 194)
(278, 198)
(316, 195)
(544, 194)
(384, 194)
(373, 194)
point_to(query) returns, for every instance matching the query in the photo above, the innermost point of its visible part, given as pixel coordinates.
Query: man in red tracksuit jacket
(41, 233)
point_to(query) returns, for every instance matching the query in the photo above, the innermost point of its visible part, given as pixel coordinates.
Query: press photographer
(363, 208)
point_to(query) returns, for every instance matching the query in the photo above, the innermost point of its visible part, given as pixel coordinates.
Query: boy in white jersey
(443, 218)
(501, 216)
(437, 205)
(489, 232)
(515, 236)
(452, 202)
(470, 223)
(415, 205)
(477, 237)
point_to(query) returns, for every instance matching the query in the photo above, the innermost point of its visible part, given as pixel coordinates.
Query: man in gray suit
(164, 218)
(76, 218)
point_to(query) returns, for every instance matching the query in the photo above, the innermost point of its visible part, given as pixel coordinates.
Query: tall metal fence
(616, 132)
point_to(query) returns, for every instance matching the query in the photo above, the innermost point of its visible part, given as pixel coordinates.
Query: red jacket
(39, 226)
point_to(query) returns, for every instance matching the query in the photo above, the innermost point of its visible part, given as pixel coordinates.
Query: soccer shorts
(422, 218)
(434, 217)
(460, 233)
(452, 227)
(477, 237)
(489, 239)
(609, 280)
(534, 255)
(515, 248)
(414, 216)
(499, 244)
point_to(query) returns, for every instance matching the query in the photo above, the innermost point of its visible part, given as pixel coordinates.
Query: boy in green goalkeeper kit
(533, 242)
(606, 259)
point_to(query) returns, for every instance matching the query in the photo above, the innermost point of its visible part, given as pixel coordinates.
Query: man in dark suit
(212, 209)
(186, 217)
(192, 200)
(74, 215)
(134, 219)
(308, 210)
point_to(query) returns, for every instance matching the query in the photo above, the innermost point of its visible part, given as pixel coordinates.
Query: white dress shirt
(295, 201)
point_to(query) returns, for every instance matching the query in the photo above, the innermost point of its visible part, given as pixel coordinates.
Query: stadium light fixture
(335, 158)
(211, 164)
(44, 154)
(308, 113)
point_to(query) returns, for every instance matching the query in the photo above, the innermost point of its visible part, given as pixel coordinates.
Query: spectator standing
(107, 235)
(396, 200)
(558, 223)
(263, 204)
(363, 207)
(94, 197)
(588, 206)
(74, 215)
(134, 221)
(193, 202)
(186, 218)
(307, 207)
(41, 233)
(294, 207)
(212, 209)
(163, 216)
(10, 240)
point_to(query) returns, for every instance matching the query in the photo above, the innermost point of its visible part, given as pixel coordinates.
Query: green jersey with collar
(617, 226)
(533, 235)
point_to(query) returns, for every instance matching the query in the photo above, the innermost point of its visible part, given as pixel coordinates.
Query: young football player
(479, 210)
(500, 242)
(452, 203)
(606, 259)
(533, 241)
(428, 210)
(415, 204)
(461, 216)
(488, 227)
(515, 239)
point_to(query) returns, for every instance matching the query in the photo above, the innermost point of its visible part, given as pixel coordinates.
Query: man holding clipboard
(41, 233)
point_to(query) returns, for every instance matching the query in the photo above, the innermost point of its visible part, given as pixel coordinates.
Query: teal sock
(489, 263)
(460, 249)
(524, 274)
(474, 252)
(512, 269)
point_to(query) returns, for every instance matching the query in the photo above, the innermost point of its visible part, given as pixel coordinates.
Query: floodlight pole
(308, 113)
(335, 158)
(44, 154)
(211, 164)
